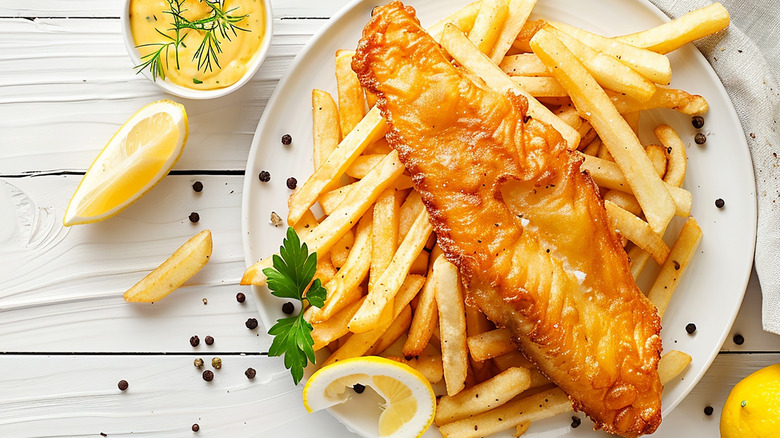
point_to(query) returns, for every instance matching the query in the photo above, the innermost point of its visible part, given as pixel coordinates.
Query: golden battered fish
(524, 225)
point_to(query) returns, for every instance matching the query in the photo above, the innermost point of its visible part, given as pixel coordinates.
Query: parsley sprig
(214, 29)
(290, 277)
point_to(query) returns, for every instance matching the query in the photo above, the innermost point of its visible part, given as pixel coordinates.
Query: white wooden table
(66, 335)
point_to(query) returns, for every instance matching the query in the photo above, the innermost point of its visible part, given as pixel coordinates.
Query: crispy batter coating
(524, 225)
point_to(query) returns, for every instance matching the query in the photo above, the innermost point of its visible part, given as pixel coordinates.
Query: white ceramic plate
(711, 292)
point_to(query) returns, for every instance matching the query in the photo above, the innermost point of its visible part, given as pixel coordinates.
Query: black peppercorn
(292, 183)
(250, 373)
(216, 363)
(708, 410)
(122, 385)
(195, 341)
(357, 387)
(264, 176)
(690, 328)
(251, 323)
(286, 139)
(195, 427)
(575, 422)
(209, 340)
(288, 308)
(197, 186)
(739, 339)
(194, 217)
(198, 363)
(208, 375)
(697, 122)
(720, 203)
(700, 138)
(240, 297)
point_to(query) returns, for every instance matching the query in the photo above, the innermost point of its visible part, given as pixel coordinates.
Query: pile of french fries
(391, 292)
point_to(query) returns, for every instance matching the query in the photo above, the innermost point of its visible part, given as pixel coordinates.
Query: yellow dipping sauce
(148, 18)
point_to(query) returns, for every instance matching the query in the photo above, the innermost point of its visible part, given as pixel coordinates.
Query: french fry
(359, 343)
(351, 99)
(325, 270)
(477, 323)
(569, 115)
(677, 163)
(653, 66)
(593, 148)
(452, 325)
(306, 224)
(607, 174)
(664, 97)
(467, 55)
(637, 231)
(389, 282)
(384, 234)
(463, 19)
(633, 121)
(623, 200)
(521, 429)
(325, 126)
(335, 327)
(410, 209)
(420, 264)
(428, 364)
(363, 164)
(604, 154)
(542, 86)
(638, 258)
(484, 396)
(340, 251)
(329, 201)
(595, 106)
(517, 14)
(522, 42)
(380, 146)
(528, 409)
(333, 227)
(516, 359)
(397, 329)
(426, 316)
(657, 155)
(608, 71)
(672, 364)
(676, 264)
(674, 34)
(344, 290)
(524, 64)
(488, 24)
(490, 344)
(369, 130)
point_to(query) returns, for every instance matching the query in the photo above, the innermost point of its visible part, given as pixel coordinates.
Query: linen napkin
(746, 57)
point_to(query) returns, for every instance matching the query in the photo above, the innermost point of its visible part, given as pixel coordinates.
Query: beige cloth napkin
(747, 59)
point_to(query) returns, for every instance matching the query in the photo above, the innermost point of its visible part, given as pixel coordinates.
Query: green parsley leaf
(196, 81)
(290, 276)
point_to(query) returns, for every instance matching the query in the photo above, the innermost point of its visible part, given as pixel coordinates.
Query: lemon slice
(409, 403)
(136, 158)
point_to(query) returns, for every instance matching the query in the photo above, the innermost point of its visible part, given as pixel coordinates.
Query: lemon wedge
(136, 158)
(752, 406)
(409, 402)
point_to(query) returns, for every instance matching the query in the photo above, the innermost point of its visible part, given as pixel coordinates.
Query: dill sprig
(218, 26)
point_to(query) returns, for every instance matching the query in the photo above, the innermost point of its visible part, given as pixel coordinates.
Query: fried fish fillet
(524, 225)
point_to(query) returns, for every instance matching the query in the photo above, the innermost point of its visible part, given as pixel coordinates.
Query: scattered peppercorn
(122, 385)
(700, 138)
(292, 183)
(198, 363)
(208, 375)
(209, 340)
(690, 328)
(288, 308)
(194, 217)
(195, 427)
(240, 297)
(697, 122)
(195, 341)
(739, 339)
(197, 186)
(251, 323)
(708, 410)
(205, 301)
(575, 422)
(286, 139)
(216, 363)
(250, 373)
(264, 176)
(357, 387)
(103, 434)
(720, 203)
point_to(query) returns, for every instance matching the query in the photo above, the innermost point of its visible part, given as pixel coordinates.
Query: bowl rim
(189, 93)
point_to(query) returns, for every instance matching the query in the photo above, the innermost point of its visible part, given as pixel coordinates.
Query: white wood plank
(61, 287)
(67, 85)
(78, 396)
(112, 8)
(748, 324)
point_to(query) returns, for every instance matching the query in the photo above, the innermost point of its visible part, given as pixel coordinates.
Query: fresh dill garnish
(290, 277)
(212, 30)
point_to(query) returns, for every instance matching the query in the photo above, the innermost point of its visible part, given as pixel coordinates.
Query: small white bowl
(189, 93)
